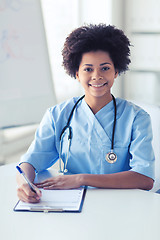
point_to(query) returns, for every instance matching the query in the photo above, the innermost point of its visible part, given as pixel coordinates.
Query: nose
(96, 76)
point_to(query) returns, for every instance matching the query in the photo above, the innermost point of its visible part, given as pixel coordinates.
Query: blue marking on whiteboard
(11, 46)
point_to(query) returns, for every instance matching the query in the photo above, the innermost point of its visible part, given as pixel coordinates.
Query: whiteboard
(26, 85)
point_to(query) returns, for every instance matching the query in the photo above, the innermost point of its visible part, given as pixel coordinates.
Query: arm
(128, 180)
(29, 172)
(125, 180)
(24, 192)
(41, 154)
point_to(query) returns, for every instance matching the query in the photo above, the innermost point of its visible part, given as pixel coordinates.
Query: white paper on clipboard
(55, 200)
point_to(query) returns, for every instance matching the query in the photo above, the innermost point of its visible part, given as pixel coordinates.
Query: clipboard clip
(46, 210)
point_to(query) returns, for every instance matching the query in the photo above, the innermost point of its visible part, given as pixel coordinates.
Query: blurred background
(32, 33)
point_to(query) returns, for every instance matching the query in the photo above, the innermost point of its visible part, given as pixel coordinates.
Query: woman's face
(96, 74)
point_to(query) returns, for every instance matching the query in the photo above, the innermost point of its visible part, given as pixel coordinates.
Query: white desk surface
(106, 214)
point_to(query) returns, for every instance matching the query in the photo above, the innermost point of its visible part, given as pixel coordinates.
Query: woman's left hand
(61, 182)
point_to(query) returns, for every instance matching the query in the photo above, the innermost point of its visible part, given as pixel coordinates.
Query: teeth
(100, 85)
(97, 85)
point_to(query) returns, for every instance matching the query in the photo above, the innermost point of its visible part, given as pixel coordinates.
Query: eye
(105, 68)
(88, 69)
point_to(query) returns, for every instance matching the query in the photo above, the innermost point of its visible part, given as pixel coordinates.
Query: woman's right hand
(25, 194)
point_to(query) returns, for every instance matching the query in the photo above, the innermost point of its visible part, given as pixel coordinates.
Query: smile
(98, 85)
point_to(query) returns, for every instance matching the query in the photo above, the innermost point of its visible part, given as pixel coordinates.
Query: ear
(116, 73)
(77, 76)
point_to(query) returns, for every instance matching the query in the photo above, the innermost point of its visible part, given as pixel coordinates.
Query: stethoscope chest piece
(111, 157)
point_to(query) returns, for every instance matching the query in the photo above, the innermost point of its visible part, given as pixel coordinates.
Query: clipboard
(55, 201)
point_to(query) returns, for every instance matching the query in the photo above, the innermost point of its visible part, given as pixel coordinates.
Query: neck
(97, 104)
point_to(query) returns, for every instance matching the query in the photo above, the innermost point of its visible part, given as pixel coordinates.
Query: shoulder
(58, 115)
(125, 107)
(62, 110)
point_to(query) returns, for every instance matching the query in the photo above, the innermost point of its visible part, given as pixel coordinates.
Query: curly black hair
(92, 38)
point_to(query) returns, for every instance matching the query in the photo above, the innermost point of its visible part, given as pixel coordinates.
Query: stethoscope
(111, 157)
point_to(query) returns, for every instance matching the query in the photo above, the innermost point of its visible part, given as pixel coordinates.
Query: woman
(110, 138)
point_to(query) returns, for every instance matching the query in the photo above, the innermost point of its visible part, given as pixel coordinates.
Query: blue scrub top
(91, 139)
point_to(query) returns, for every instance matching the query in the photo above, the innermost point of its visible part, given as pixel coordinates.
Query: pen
(26, 179)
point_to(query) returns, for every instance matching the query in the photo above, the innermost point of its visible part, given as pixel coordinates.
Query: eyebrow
(87, 64)
(104, 63)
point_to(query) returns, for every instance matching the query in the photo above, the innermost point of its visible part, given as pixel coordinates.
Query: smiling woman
(82, 132)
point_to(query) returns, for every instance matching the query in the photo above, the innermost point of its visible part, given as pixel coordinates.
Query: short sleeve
(42, 152)
(142, 155)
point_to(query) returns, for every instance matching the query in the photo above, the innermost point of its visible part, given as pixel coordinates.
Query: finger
(39, 185)
(56, 185)
(38, 191)
(45, 184)
(29, 193)
(45, 181)
(50, 185)
(53, 187)
(26, 198)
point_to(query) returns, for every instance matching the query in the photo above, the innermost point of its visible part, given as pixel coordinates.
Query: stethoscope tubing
(69, 119)
(114, 123)
(70, 133)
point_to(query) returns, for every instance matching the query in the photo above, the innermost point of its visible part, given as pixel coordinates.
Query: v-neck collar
(98, 120)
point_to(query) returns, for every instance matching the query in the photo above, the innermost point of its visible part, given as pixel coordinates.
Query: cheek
(84, 84)
(111, 81)
(82, 78)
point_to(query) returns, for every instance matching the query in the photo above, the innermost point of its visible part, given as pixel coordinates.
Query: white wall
(97, 11)
(142, 24)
